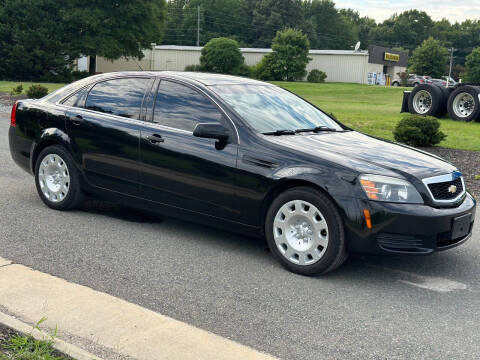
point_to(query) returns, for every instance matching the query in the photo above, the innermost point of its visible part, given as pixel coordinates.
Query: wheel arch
(48, 137)
(287, 184)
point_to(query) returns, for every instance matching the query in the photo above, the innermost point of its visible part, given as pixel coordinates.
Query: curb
(60, 345)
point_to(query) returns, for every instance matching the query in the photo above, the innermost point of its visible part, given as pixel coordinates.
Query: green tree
(269, 16)
(364, 25)
(429, 58)
(174, 32)
(464, 37)
(326, 28)
(32, 41)
(113, 28)
(289, 58)
(221, 55)
(218, 18)
(408, 30)
(472, 66)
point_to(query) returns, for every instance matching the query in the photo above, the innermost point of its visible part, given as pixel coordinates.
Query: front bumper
(405, 228)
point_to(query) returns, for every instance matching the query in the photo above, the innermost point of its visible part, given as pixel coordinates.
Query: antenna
(357, 46)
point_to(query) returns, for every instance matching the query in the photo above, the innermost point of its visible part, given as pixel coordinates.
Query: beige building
(339, 65)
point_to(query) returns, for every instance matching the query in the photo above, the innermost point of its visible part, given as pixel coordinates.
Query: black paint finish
(230, 183)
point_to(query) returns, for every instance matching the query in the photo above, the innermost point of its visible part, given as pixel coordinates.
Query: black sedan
(243, 155)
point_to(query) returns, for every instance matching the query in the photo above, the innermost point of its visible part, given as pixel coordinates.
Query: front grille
(440, 191)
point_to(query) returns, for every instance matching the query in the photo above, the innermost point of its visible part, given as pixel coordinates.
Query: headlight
(385, 188)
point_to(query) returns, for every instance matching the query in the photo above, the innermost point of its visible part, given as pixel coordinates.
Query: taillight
(13, 116)
(422, 81)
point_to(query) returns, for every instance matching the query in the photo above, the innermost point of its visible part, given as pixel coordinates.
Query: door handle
(77, 120)
(155, 138)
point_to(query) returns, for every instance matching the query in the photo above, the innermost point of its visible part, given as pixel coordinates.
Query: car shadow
(118, 211)
(368, 268)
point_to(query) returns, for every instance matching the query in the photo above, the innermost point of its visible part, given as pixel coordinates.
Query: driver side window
(181, 107)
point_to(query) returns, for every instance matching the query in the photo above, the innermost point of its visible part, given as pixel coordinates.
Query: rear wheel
(305, 232)
(395, 83)
(57, 179)
(464, 103)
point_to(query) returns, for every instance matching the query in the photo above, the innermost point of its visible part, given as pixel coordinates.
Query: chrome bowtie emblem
(452, 189)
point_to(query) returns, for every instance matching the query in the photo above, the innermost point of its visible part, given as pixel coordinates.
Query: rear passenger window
(77, 99)
(121, 97)
(180, 107)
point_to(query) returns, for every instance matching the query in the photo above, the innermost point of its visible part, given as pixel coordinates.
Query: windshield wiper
(316, 129)
(280, 132)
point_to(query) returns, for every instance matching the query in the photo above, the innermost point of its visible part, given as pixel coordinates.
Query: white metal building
(339, 65)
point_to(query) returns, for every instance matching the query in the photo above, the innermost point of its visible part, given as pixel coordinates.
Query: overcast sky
(453, 10)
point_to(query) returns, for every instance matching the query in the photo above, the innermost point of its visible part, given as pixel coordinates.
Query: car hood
(366, 154)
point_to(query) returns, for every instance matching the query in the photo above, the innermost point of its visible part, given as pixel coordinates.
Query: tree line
(40, 39)
(254, 23)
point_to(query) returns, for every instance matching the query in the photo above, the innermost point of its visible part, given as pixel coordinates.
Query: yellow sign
(392, 57)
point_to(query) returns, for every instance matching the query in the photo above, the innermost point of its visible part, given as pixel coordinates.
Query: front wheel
(305, 232)
(57, 179)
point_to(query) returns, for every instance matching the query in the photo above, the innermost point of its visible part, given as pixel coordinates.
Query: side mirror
(211, 131)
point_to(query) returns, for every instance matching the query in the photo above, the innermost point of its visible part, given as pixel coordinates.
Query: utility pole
(451, 62)
(198, 25)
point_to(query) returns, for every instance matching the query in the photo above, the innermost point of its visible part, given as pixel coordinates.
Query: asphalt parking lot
(371, 308)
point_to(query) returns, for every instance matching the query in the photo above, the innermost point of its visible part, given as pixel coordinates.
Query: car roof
(206, 79)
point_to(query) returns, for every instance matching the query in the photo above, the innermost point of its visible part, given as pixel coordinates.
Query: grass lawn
(375, 110)
(7, 86)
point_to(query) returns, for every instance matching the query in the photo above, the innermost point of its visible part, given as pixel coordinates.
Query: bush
(36, 91)
(262, 70)
(221, 55)
(17, 90)
(243, 70)
(316, 76)
(418, 130)
(193, 68)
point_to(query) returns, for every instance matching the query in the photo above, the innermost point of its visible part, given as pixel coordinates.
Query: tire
(464, 104)
(426, 99)
(446, 94)
(395, 83)
(57, 179)
(291, 233)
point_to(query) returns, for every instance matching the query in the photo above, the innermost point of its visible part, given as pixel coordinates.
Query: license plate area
(461, 226)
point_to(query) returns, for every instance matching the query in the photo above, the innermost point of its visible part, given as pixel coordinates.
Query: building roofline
(265, 50)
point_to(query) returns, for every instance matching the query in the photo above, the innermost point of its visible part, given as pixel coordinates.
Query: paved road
(373, 307)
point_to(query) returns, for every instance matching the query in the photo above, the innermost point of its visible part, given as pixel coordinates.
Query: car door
(104, 128)
(179, 169)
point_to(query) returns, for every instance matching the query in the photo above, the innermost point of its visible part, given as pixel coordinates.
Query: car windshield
(268, 108)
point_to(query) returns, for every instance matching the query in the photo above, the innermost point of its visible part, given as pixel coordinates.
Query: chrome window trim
(444, 178)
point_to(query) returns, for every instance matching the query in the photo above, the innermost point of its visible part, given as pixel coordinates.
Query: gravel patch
(7, 100)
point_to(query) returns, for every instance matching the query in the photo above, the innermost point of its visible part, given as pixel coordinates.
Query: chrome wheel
(422, 102)
(463, 105)
(300, 232)
(54, 178)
